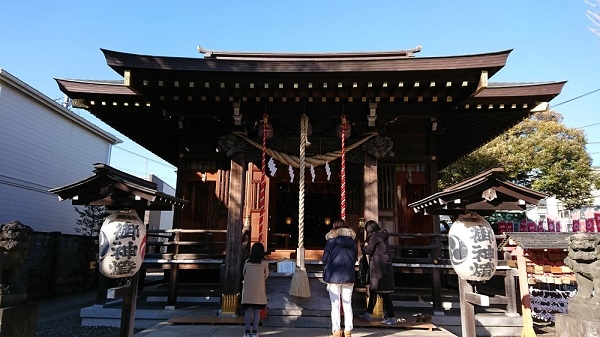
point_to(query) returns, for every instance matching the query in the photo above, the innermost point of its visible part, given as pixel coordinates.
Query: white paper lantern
(472, 246)
(122, 244)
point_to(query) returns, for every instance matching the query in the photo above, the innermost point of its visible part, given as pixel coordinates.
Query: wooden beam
(117, 292)
(477, 299)
(483, 82)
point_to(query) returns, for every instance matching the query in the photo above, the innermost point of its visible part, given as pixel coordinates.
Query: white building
(553, 208)
(160, 219)
(42, 146)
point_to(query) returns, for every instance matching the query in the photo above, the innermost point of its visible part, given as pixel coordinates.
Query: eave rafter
(393, 91)
(485, 192)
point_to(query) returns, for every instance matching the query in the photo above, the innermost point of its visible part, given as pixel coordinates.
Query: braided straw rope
(317, 160)
(303, 141)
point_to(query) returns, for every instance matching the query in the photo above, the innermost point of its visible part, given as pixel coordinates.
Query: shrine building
(403, 118)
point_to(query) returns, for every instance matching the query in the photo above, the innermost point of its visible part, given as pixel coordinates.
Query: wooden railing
(428, 253)
(189, 247)
(419, 248)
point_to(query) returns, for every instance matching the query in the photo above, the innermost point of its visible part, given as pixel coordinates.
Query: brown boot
(338, 333)
(347, 334)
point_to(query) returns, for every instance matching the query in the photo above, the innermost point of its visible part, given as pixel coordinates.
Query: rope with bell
(344, 127)
(261, 200)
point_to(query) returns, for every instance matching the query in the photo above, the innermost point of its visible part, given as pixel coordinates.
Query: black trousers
(387, 303)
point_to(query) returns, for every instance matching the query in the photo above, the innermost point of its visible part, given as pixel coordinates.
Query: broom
(525, 299)
(300, 286)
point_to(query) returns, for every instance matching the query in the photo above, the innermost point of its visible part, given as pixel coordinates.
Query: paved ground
(167, 330)
(61, 308)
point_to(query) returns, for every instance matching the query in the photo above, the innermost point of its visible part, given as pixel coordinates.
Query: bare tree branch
(594, 15)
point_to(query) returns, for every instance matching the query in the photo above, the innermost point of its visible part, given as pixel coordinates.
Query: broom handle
(525, 299)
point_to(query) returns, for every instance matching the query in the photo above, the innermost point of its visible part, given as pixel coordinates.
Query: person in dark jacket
(339, 259)
(381, 271)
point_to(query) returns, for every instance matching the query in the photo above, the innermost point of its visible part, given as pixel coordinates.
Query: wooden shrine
(409, 117)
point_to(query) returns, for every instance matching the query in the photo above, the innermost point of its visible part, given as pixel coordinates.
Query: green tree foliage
(540, 153)
(90, 220)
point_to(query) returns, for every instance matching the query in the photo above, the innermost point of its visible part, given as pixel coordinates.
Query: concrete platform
(199, 302)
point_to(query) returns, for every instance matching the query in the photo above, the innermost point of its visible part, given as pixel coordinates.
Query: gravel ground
(70, 326)
(544, 329)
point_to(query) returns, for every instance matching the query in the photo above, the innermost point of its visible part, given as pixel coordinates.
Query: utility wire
(149, 159)
(585, 126)
(572, 99)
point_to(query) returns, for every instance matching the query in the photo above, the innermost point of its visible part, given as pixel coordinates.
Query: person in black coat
(339, 259)
(381, 271)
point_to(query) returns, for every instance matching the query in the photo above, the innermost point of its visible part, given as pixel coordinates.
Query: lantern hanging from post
(122, 244)
(472, 245)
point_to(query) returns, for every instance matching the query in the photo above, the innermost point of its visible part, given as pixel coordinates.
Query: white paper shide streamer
(291, 170)
(272, 167)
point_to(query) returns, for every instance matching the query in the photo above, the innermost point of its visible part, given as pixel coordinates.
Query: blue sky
(551, 41)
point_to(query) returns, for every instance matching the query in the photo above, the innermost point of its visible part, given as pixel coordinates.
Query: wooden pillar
(177, 216)
(231, 275)
(436, 290)
(371, 205)
(173, 277)
(467, 310)
(130, 299)
(128, 307)
(101, 289)
(511, 293)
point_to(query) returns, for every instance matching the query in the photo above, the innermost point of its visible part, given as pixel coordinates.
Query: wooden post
(173, 276)
(436, 290)
(467, 310)
(511, 293)
(232, 278)
(468, 300)
(371, 206)
(128, 307)
(101, 289)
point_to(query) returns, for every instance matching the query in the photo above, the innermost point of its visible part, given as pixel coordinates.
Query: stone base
(19, 321)
(585, 308)
(568, 325)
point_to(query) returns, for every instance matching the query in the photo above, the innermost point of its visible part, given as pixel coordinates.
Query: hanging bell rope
(303, 142)
(300, 286)
(316, 160)
(261, 198)
(344, 128)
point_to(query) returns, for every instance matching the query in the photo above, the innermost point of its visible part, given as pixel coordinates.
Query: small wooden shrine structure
(484, 193)
(117, 190)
